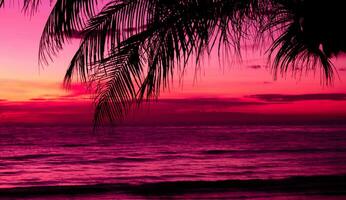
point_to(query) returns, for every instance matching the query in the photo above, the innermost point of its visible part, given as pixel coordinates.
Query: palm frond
(116, 84)
(164, 35)
(293, 49)
(28, 5)
(104, 31)
(293, 52)
(31, 6)
(66, 18)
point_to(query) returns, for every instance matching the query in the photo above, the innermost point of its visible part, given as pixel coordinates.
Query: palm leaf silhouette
(130, 49)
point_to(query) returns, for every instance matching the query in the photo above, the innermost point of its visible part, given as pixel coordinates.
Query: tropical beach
(139, 99)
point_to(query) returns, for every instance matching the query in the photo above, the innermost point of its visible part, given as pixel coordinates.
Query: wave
(222, 151)
(30, 156)
(331, 184)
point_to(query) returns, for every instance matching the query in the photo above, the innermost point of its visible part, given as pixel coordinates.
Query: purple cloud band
(299, 97)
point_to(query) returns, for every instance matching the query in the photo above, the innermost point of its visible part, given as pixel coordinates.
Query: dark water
(239, 162)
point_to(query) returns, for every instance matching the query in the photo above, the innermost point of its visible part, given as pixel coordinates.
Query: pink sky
(29, 94)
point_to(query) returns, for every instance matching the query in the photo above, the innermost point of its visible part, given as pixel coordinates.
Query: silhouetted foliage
(130, 48)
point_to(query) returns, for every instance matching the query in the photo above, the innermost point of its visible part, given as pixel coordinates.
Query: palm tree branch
(68, 17)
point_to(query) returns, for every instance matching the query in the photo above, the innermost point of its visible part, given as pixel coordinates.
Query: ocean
(173, 162)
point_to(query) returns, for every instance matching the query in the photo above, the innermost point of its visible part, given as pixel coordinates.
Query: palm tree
(130, 48)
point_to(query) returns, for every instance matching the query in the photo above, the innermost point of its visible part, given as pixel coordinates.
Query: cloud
(200, 104)
(73, 92)
(37, 105)
(77, 91)
(39, 99)
(40, 110)
(163, 111)
(254, 66)
(299, 97)
(267, 82)
(217, 102)
(42, 104)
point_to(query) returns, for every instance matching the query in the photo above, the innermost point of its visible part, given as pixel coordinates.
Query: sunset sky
(235, 92)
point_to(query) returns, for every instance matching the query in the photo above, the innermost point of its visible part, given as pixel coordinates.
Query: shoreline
(322, 184)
